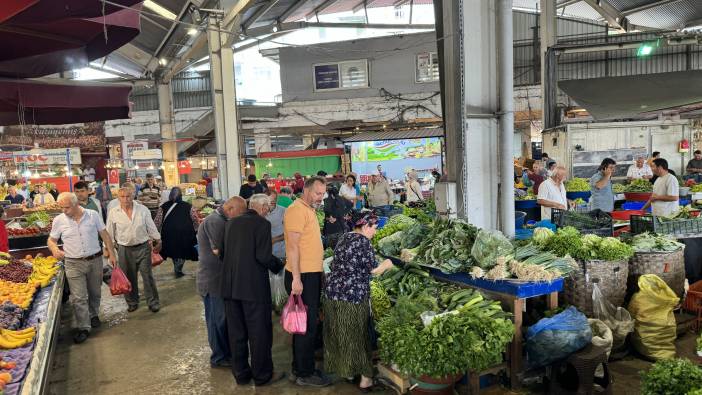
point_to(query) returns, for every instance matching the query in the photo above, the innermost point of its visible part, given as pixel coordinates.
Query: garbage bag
(278, 293)
(555, 338)
(488, 245)
(652, 309)
(617, 319)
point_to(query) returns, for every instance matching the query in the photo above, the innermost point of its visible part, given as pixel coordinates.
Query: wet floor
(167, 352)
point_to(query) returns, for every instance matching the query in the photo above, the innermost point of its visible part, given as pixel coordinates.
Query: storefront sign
(146, 154)
(89, 137)
(326, 76)
(128, 147)
(48, 156)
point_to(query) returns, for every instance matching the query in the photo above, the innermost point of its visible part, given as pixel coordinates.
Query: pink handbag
(294, 317)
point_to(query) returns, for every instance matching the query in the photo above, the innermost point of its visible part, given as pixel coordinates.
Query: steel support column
(480, 153)
(506, 83)
(224, 109)
(548, 34)
(166, 122)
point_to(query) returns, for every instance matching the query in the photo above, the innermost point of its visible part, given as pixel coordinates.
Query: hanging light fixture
(270, 163)
(151, 166)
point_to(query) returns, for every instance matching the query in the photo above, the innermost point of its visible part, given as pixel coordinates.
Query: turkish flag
(184, 167)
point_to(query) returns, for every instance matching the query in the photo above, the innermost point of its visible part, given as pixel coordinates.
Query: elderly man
(275, 216)
(246, 290)
(79, 229)
(380, 195)
(639, 170)
(210, 236)
(303, 275)
(664, 199)
(131, 226)
(552, 193)
(13, 196)
(115, 202)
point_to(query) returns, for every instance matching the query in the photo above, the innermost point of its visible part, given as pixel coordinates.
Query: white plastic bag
(601, 335)
(617, 319)
(279, 295)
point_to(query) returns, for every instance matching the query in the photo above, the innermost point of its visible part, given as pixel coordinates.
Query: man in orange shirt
(303, 275)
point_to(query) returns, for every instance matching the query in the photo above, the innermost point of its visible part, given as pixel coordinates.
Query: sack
(601, 335)
(617, 319)
(119, 284)
(278, 293)
(156, 258)
(555, 338)
(294, 317)
(655, 327)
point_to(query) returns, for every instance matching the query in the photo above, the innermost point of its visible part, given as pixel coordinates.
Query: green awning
(306, 166)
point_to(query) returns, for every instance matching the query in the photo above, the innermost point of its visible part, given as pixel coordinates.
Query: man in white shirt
(552, 193)
(132, 227)
(639, 170)
(664, 199)
(79, 228)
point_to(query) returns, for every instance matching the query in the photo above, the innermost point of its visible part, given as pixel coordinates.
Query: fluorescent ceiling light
(192, 31)
(159, 9)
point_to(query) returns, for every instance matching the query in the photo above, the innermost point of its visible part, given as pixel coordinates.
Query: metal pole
(70, 171)
(506, 83)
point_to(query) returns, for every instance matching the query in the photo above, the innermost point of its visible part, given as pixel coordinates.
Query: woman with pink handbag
(347, 348)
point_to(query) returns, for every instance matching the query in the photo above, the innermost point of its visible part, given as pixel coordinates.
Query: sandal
(375, 387)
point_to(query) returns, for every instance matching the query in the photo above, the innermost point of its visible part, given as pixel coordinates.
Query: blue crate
(518, 289)
(519, 217)
(684, 202)
(523, 234)
(634, 206)
(382, 221)
(524, 204)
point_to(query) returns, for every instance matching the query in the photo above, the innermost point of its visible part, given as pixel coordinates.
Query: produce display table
(514, 294)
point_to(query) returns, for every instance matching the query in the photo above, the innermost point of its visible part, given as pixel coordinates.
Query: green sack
(652, 309)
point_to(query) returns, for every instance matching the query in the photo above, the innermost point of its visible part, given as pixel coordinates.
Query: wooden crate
(399, 380)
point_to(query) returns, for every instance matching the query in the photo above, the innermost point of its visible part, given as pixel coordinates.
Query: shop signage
(146, 154)
(6, 156)
(113, 177)
(89, 137)
(129, 147)
(326, 76)
(48, 156)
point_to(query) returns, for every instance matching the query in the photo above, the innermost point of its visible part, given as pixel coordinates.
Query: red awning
(37, 48)
(11, 8)
(303, 153)
(33, 11)
(58, 103)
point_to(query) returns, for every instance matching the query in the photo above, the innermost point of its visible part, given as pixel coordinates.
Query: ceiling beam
(290, 11)
(258, 14)
(610, 13)
(648, 6)
(142, 58)
(290, 26)
(566, 3)
(173, 27)
(320, 8)
(399, 3)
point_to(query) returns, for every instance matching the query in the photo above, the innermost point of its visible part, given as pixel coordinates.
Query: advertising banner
(48, 156)
(89, 137)
(128, 147)
(146, 154)
(396, 157)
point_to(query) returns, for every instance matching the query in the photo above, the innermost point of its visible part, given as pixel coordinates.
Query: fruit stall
(494, 305)
(30, 300)
(31, 229)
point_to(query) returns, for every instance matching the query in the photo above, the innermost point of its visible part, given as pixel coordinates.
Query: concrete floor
(167, 352)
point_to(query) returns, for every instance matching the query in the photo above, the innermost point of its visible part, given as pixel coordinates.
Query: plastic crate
(650, 223)
(599, 223)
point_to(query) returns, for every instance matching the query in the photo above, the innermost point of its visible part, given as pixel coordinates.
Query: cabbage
(541, 235)
(591, 241)
(577, 185)
(611, 249)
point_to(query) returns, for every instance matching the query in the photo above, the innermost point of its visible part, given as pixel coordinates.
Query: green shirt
(90, 205)
(284, 201)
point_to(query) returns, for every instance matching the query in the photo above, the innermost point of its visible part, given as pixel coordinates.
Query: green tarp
(306, 166)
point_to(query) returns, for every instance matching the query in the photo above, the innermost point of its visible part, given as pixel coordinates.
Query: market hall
(334, 196)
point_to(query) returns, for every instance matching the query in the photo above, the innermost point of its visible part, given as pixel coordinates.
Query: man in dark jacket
(251, 188)
(246, 290)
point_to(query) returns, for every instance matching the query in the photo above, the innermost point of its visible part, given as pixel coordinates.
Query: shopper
(664, 199)
(264, 182)
(246, 290)
(639, 170)
(251, 187)
(285, 197)
(347, 346)
(115, 202)
(79, 229)
(103, 193)
(150, 186)
(53, 191)
(177, 222)
(532, 177)
(601, 185)
(336, 209)
(275, 216)
(13, 196)
(413, 189)
(552, 193)
(130, 224)
(279, 182)
(348, 190)
(380, 195)
(43, 197)
(694, 167)
(303, 275)
(360, 198)
(299, 184)
(82, 192)
(210, 238)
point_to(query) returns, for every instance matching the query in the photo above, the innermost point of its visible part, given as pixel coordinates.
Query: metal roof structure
(395, 135)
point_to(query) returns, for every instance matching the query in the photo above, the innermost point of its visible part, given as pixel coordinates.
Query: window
(352, 74)
(427, 67)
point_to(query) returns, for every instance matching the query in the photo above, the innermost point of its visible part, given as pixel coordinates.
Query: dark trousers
(217, 334)
(304, 345)
(135, 260)
(250, 330)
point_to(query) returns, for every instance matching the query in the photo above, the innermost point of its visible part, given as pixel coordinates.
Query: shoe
(132, 308)
(81, 336)
(277, 376)
(316, 380)
(95, 322)
(222, 364)
(154, 309)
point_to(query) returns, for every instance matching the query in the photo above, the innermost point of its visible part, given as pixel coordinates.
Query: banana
(9, 343)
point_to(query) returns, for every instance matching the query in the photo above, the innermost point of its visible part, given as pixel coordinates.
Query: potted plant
(435, 350)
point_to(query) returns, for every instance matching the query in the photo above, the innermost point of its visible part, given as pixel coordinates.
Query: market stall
(307, 162)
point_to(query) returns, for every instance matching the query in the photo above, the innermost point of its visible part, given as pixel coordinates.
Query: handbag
(294, 317)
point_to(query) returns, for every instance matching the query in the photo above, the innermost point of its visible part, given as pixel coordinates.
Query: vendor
(13, 196)
(601, 184)
(43, 197)
(664, 199)
(532, 177)
(639, 170)
(552, 193)
(694, 167)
